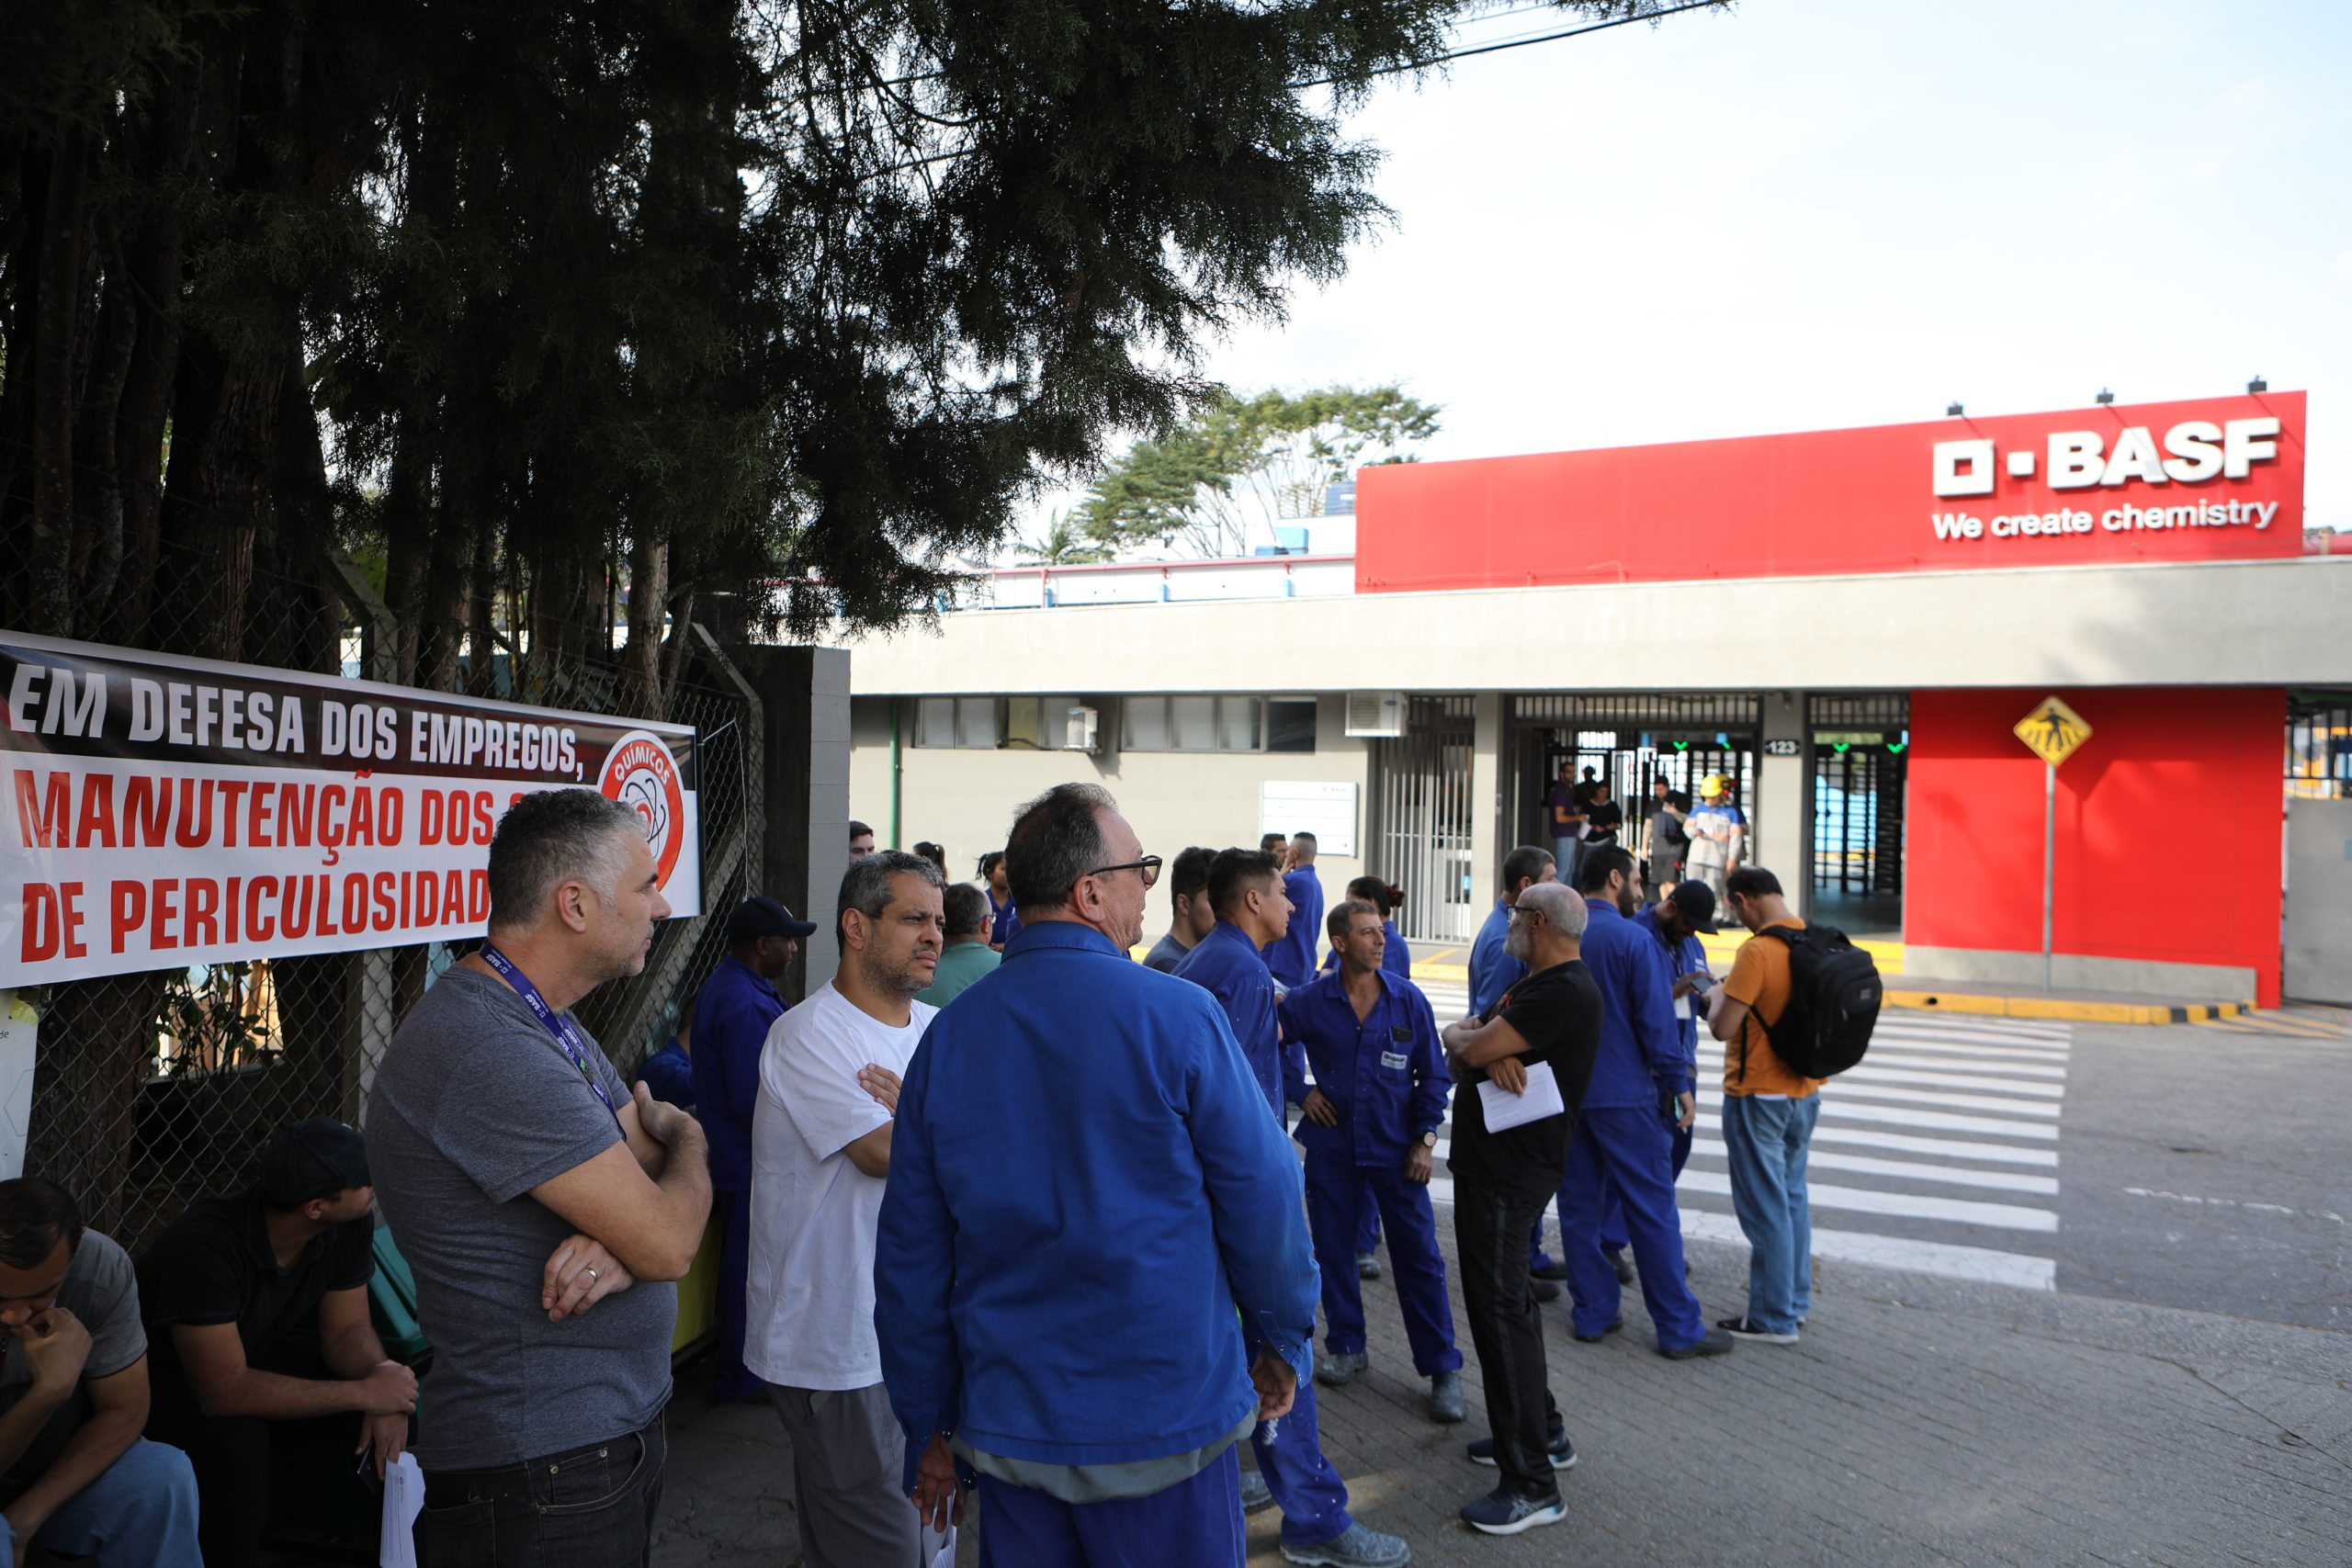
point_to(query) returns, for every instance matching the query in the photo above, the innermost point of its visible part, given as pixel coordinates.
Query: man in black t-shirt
(263, 1350)
(1547, 1025)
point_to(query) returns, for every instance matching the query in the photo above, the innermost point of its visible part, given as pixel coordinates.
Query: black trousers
(591, 1506)
(249, 1470)
(1491, 1230)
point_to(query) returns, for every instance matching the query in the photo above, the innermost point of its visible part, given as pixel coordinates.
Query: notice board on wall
(1324, 809)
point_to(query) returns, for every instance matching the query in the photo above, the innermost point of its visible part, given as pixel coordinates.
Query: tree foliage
(577, 312)
(1235, 467)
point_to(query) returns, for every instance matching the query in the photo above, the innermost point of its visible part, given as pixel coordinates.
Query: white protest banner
(158, 811)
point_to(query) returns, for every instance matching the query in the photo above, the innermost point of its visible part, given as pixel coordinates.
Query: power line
(1537, 38)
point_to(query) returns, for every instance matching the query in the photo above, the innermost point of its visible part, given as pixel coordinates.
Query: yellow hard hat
(1712, 784)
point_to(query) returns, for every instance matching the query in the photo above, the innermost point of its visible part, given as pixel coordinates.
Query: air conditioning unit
(1376, 715)
(1080, 730)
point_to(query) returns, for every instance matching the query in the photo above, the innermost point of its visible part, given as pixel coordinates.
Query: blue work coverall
(1292, 955)
(1226, 964)
(1385, 1074)
(1689, 957)
(733, 1014)
(1086, 1205)
(1396, 959)
(1622, 1147)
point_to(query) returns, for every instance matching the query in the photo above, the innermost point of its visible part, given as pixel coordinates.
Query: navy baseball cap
(1697, 902)
(760, 916)
(317, 1157)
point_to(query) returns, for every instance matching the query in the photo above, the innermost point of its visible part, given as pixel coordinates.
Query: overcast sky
(1803, 214)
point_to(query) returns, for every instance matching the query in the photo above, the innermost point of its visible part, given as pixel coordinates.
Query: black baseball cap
(314, 1158)
(760, 916)
(1697, 902)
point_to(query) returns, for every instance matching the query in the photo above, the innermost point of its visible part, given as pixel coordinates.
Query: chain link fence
(153, 1089)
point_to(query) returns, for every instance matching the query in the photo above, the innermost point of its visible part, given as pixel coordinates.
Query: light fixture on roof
(2258, 385)
(1953, 412)
(2104, 397)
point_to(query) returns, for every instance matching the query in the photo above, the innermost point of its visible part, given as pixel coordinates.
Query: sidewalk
(1922, 1421)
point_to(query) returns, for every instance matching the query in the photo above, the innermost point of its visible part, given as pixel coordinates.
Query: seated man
(669, 1073)
(264, 1353)
(75, 1477)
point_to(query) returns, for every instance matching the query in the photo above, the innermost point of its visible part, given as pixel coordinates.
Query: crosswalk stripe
(1997, 1044)
(1947, 1148)
(1945, 1121)
(1846, 1092)
(2031, 1088)
(1905, 1169)
(1905, 1205)
(1949, 1260)
(1969, 1064)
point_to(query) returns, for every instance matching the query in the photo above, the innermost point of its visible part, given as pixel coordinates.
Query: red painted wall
(2169, 826)
(1820, 502)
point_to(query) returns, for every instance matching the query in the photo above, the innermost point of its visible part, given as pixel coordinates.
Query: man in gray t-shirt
(539, 1206)
(75, 1477)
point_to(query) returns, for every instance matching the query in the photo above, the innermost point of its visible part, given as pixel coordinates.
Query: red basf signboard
(2211, 480)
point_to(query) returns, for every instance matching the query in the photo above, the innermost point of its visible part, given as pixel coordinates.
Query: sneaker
(1717, 1342)
(1545, 1290)
(1560, 1451)
(1357, 1548)
(1596, 1339)
(1445, 1398)
(1505, 1512)
(1544, 1265)
(1338, 1368)
(1367, 1266)
(1623, 1264)
(1740, 1328)
(1256, 1496)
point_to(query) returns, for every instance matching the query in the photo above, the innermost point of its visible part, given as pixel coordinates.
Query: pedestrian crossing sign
(2054, 731)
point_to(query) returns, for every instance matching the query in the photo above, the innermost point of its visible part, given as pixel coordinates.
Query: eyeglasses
(1530, 910)
(1147, 868)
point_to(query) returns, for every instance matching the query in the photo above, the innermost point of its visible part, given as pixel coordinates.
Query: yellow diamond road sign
(2054, 731)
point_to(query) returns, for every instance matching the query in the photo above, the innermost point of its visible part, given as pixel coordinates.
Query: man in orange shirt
(1769, 1116)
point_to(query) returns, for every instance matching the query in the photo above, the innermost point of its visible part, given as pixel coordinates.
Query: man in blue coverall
(1494, 971)
(1074, 1108)
(1676, 922)
(1370, 1127)
(732, 1016)
(1292, 956)
(1246, 891)
(1642, 1088)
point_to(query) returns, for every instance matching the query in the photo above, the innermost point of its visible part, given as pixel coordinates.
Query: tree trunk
(649, 594)
(49, 602)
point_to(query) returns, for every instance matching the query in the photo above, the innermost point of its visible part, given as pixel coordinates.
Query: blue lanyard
(557, 1024)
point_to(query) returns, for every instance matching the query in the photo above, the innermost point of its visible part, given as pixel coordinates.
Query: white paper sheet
(404, 1497)
(946, 1556)
(1505, 1110)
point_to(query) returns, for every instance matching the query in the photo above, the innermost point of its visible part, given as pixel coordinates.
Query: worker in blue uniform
(732, 1016)
(1292, 955)
(1397, 959)
(1370, 1124)
(1074, 1106)
(1494, 971)
(1676, 922)
(1246, 890)
(1621, 1146)
(669, 1074)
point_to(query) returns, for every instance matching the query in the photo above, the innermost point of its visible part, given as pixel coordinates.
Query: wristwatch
(1429, 1139)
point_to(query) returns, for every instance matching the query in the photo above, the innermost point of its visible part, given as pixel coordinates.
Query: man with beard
(820, 1158)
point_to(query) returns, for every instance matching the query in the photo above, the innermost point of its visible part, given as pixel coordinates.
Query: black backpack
(1834, 998)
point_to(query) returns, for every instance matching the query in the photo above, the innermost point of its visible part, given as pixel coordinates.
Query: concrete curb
(2071, 1010)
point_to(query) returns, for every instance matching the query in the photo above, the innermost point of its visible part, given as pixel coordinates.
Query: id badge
(1682, 1005)
(1395, 1061)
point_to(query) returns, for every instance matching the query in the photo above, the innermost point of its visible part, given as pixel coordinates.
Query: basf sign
(2211, 480)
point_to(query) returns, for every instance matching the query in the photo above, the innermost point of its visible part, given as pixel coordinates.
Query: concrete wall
(965, 800)
(2239, 623)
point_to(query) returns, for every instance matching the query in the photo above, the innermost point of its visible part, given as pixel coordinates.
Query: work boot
(1256, 1496)
(1367, 1266)
(1338, 1368)
(1623, 1264)
(1356, 1548)
(1716, 1342)
(1545, 1289)
(1445, 1398)
(1583, 1338)
(1544, 1265)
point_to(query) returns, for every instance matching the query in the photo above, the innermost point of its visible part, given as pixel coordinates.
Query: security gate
(1419, 814)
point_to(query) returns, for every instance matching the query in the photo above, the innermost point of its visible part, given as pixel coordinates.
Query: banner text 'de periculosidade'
(157, 811)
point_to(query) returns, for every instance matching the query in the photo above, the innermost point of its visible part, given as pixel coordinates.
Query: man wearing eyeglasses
(1074, 1105)
(1254, 911)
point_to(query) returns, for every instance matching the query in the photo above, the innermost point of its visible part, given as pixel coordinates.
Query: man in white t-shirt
(820, 1152)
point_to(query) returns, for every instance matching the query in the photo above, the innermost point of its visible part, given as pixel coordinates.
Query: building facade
(1848, 625)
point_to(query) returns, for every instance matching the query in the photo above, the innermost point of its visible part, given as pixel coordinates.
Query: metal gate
(1628, 739)
(1862, 748)
(1420, 818)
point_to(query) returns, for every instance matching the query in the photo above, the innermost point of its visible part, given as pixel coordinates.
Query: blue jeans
(1193, 1524)
(139, 1513)
(1626, 1151)
(1766, 1141)
(1564, 855)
